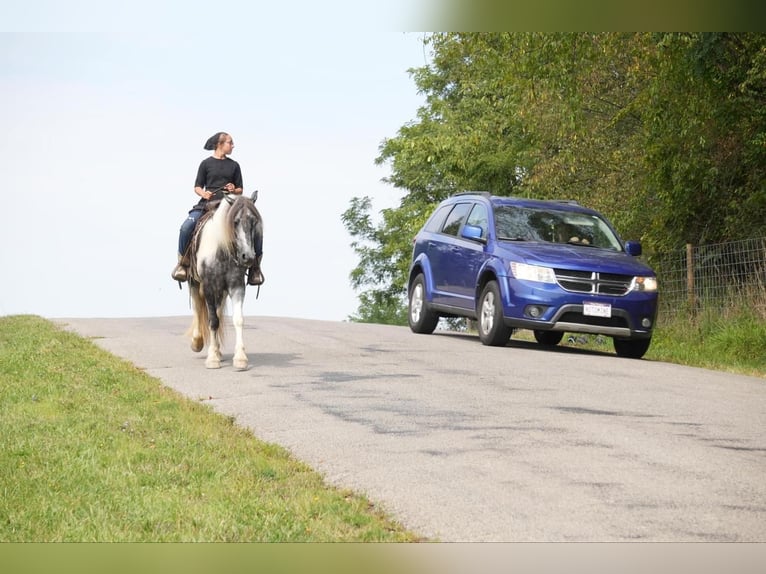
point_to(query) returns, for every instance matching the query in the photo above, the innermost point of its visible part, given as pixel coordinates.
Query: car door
(467, 259)
(442, 248)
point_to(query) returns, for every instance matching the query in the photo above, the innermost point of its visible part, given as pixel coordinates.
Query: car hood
(574, 257)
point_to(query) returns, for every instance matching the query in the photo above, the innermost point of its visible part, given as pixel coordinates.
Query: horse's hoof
(196, 345)
(213, 364)
(241, 364)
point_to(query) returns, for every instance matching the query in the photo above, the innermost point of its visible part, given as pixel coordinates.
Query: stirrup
(255, 277)
(180, 273)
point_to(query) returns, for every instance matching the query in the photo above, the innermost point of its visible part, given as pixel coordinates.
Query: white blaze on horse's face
(244, 250)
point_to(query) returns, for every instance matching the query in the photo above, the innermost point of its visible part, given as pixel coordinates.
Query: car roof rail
(482, 193)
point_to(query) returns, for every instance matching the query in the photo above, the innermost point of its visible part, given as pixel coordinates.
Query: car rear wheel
(549, 338)
(492, 329)
(631, 348)
(420, 318)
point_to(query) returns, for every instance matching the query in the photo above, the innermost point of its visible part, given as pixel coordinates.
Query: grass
(93, 449)
(732, 339)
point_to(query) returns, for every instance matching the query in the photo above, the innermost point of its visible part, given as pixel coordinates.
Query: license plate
(597, 309)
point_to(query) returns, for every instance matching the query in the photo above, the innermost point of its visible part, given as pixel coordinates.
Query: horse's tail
(200, 326)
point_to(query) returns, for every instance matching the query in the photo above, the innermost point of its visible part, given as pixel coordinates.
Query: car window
(436, 222)
(518, 224)
(553, 226)
(455, 218)
(586, 229)
(478, 217)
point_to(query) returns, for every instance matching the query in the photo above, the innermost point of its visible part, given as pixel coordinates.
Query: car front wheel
(420, 318)
(492, 329)
(631, 348)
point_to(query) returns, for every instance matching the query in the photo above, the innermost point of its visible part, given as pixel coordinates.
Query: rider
(216, 174)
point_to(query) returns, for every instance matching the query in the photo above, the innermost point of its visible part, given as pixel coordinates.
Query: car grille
(593, 282)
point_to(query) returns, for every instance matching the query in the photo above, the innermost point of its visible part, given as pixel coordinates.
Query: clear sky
(103, 133)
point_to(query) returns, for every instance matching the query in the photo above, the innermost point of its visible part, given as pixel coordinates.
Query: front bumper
(570, 318)
(632, 316)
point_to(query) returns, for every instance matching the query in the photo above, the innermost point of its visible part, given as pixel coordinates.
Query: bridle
(230, 199)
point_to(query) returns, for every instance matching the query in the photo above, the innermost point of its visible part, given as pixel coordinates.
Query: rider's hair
(213, 141)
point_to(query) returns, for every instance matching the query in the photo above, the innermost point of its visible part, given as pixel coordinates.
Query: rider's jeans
(187, 230)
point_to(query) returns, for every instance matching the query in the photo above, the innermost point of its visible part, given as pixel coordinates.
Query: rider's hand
(229, 187)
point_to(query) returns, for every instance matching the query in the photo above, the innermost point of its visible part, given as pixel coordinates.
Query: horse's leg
(198, 302)
(213, 360)
(219, 332)
(237, 298)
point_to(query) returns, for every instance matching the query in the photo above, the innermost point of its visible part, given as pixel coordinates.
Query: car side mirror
(473, 232)
(633, 248)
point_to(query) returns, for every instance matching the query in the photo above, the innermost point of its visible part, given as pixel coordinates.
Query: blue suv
(547, 266)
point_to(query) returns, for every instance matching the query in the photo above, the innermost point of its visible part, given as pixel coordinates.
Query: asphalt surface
(462, 442)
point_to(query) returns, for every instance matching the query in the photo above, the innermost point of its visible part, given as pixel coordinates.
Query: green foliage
(706, 130)
(733, 340)
(663, 133)
(384, 251)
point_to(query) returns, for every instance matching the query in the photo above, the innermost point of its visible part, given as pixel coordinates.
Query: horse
(222, 249)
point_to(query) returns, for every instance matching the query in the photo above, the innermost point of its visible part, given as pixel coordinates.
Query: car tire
(420, 318)
(631, 348)
(492, 329)
(549, 338)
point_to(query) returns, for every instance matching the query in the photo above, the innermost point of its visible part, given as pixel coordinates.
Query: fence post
(690, 276)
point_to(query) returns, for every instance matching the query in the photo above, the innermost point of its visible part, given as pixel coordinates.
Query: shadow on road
(529, 345)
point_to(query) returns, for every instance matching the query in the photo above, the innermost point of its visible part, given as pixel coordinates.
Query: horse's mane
(227, 236)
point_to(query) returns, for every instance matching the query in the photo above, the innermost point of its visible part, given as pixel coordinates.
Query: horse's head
(246, 225)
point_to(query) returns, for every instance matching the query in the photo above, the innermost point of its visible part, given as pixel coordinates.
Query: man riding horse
(217, 174)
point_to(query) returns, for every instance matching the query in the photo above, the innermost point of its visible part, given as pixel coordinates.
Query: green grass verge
(733, 340)
(93, 449)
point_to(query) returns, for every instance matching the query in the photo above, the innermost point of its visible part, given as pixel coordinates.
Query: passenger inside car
(567, 233)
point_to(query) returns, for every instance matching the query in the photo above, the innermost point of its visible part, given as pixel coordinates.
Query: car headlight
(527, 272)
(644, 284)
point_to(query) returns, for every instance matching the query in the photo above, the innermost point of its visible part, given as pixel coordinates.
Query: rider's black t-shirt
(214, 173)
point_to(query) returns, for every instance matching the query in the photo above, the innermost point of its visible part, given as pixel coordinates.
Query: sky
(103, 133)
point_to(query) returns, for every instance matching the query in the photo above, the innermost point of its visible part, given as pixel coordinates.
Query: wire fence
(714, 277)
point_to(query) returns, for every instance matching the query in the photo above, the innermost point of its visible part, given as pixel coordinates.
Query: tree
(384, 251)
(706, 138)
(663, 133)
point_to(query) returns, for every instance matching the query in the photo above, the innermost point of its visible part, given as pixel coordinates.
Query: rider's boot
(255, 275)
(181, 271)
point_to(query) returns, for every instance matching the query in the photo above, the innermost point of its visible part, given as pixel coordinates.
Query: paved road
(463, 442)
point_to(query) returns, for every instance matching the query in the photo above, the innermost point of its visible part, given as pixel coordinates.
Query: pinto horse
(223, 248)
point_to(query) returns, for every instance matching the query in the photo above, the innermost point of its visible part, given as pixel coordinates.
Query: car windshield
(553, 226)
